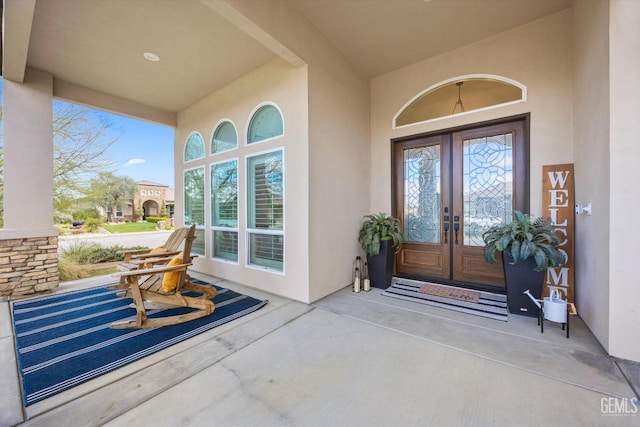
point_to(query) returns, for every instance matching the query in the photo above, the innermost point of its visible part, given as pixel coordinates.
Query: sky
(142, 151)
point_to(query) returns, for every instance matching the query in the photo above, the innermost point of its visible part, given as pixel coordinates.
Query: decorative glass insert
(224, 210)
(458, 96)
(266, 123)
(487, 185)
(194, 204)
(224, 138)
(265, 210)
(194, 148)
(422, 194)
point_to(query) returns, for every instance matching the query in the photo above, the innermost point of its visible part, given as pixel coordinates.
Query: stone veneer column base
(28, 265)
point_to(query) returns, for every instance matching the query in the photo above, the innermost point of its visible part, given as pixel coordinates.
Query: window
(224, 210)
(265, 210)
(460, 95)
(194, 205)
(194, 148)
(265, 123)
(224, 138)
(118, 210)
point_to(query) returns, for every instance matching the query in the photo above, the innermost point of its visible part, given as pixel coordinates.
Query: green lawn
(129, 227)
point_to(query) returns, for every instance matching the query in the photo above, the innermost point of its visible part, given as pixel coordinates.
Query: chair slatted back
(175, 239)
(186, 254)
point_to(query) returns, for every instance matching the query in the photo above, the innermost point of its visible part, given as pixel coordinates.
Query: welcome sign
(558, 201)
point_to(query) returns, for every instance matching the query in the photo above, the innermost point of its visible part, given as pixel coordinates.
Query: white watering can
(555, 308)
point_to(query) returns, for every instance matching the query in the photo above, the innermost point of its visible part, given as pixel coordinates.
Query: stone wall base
(28, 265)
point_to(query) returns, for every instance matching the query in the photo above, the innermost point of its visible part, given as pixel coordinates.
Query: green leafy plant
(377, 228)
(524, 238)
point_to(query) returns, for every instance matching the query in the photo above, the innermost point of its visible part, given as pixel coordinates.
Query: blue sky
(143, 151)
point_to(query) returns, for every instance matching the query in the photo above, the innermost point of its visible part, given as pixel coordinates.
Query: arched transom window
(194, 148)
(460, 95)
(224, 138)
(266, 123)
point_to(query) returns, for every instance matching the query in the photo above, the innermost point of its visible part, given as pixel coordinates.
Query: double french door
(448, 189)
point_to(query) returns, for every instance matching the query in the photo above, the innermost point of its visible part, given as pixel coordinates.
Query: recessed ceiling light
(150, 56)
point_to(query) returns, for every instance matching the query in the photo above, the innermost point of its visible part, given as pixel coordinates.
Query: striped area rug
(63, 340)
(493, 306)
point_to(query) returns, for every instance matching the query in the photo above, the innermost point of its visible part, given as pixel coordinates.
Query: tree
(163, 209)
(81, 137)
(110, 191)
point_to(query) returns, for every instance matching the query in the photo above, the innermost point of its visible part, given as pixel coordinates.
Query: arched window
(460, 95)
(266, 123)
(224, 138)
(194, 148)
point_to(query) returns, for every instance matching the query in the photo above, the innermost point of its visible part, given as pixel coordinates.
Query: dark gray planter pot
(381, 266)
(519, 277)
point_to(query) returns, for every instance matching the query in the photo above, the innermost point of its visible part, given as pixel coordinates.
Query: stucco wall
(624, 54)
(591, 87)
(336, 186)
(279, 83)
(537, 55)
(338, 173)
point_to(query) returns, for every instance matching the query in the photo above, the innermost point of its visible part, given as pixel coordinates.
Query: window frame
(214, 228)
(257, 231)
(204, 202)
(213, 134)
(252, 116)
(186, 144)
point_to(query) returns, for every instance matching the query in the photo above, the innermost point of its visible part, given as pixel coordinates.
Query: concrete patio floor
(348, 360)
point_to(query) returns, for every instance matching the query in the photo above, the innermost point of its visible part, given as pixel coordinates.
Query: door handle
(446, 232)
(456, 227)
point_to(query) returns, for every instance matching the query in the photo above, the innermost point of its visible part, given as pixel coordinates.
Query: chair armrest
(156, 255)
(152, 260)
(151, 271)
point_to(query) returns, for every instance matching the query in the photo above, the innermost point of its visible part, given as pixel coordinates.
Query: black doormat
(493, 306)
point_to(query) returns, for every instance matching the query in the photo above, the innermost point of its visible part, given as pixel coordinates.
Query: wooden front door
(451, 186)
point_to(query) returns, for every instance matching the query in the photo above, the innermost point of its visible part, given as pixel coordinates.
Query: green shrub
(156, 219)
(70, 270)
(93, 253)
(92, 224)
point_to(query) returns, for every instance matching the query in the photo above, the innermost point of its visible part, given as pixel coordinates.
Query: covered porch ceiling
(95, 48)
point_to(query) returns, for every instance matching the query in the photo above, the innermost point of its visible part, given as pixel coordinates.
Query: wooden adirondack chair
(151, 288)
(146, 289)
(176, 244)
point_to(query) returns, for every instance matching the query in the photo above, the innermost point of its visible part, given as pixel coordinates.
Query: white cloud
(132, 162)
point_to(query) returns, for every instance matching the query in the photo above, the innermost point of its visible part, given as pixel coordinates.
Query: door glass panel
(487, 185)
(422, 194)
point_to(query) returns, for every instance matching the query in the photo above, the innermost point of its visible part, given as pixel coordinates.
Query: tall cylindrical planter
(519, 277)
(381, 265)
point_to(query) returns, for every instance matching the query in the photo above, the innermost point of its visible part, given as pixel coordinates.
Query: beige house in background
(151, 196)
(329, 79)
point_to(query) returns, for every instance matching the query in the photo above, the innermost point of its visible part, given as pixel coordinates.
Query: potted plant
(380, 236)
(528, 246)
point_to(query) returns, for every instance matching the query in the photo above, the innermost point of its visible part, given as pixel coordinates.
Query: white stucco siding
(624, 53)
(285, 86)
(592, 168)
(537, 55)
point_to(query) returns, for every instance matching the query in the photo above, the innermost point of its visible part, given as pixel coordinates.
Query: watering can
(555, 308)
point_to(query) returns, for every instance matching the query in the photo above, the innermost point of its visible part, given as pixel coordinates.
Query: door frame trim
(526, 175)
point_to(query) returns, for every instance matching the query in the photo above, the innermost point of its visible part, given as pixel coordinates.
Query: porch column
(29, 241)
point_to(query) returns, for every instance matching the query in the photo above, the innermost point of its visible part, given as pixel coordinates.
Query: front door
(451, 186)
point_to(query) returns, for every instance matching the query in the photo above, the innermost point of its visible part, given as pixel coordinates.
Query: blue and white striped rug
(63, 340)
(491, 305)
